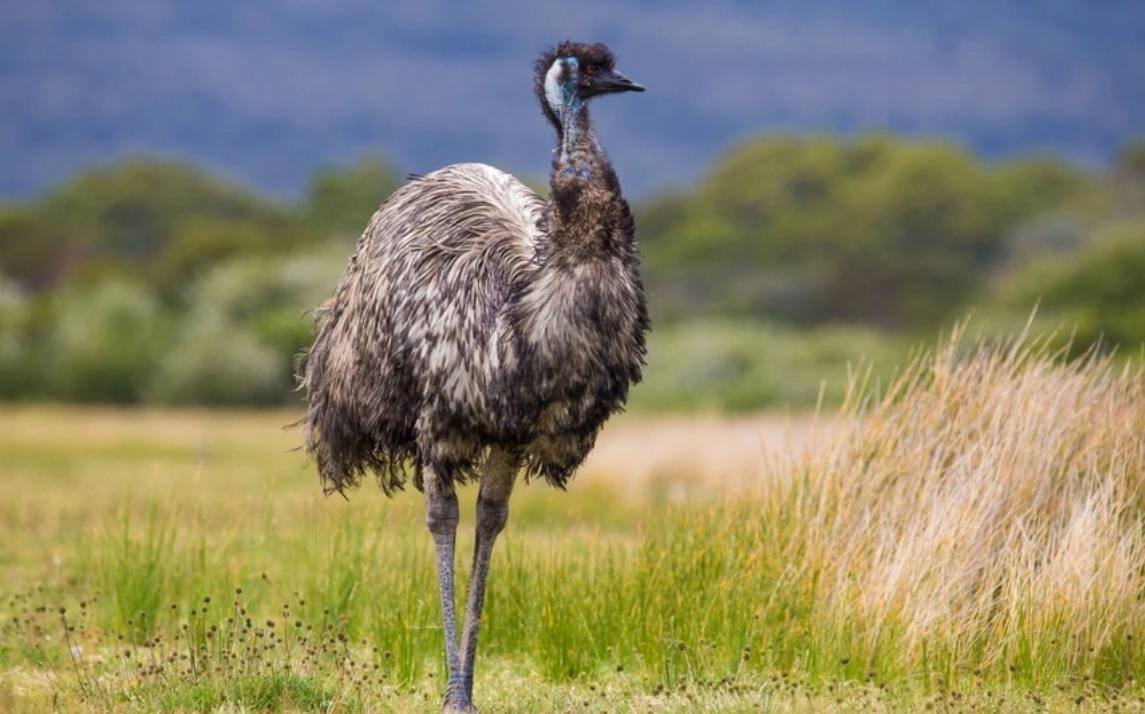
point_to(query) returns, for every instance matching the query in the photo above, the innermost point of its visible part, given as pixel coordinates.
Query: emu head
(572, 73)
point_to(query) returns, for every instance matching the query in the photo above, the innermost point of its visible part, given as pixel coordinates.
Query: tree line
(155, 281)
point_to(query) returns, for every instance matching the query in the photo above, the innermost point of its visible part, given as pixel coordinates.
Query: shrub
(101, 343)
(18, 377)
(1100, 288)
(216, 362)
(718, 365)
(342, 199)
(248, 320)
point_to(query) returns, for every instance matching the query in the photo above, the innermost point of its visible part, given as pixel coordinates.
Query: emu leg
(492, 513)
(441, 515)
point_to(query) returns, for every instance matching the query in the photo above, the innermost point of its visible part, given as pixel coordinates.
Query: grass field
(973, 539)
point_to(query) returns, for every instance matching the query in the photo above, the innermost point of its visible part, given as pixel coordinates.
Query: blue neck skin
(571, 105)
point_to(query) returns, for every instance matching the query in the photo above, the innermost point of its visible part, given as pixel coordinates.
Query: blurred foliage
(100, 342)
(212, 361)
(247, 320)
(1099, 291)
(17, 374)
(341, 200)
(1129, 178)
(874, 230)
(723, 365)
(795, 256)
(123, 220)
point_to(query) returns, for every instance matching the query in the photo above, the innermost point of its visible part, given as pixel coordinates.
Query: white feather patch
(553, 86)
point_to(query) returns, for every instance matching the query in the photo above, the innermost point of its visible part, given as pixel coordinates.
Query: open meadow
(971, 539)
(859, 288)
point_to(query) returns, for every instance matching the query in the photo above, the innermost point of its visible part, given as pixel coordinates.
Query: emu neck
(585, 201)
(578, 151)
(588, 260)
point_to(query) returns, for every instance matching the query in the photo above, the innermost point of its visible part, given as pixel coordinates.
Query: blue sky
(265, 92)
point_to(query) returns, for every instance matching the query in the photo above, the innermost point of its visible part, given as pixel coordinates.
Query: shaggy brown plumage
(475, 314)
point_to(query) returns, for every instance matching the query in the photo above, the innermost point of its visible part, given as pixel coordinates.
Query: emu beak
(613, 81)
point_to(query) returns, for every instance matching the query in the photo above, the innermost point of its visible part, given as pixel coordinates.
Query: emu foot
(457, 701)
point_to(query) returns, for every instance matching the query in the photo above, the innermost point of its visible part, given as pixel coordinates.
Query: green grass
(740, 366)
(185, 561)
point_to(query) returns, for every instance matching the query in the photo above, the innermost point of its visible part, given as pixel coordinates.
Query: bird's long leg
(492, 513)
(441, 515)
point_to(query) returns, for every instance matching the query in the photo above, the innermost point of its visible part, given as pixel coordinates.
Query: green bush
(212, 361)
(101, 344)
(18, 378)
(819, 230)
(247, 321)
(201, 243)
(724, 365)
(1099, 289)
(132, 281)
(341, 200)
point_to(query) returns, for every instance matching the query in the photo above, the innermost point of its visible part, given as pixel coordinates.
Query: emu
(479, 331)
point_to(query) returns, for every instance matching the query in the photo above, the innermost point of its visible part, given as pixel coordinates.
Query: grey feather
(473, 314)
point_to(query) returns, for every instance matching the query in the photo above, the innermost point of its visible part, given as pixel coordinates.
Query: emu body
(479, 331)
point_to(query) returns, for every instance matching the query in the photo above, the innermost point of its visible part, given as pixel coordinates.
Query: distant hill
(268, 92)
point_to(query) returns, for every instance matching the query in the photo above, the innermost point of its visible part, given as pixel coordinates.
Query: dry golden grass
(990, 505)
(703, 457)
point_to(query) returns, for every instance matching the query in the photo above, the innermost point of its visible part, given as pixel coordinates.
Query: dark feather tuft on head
(592, 57)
